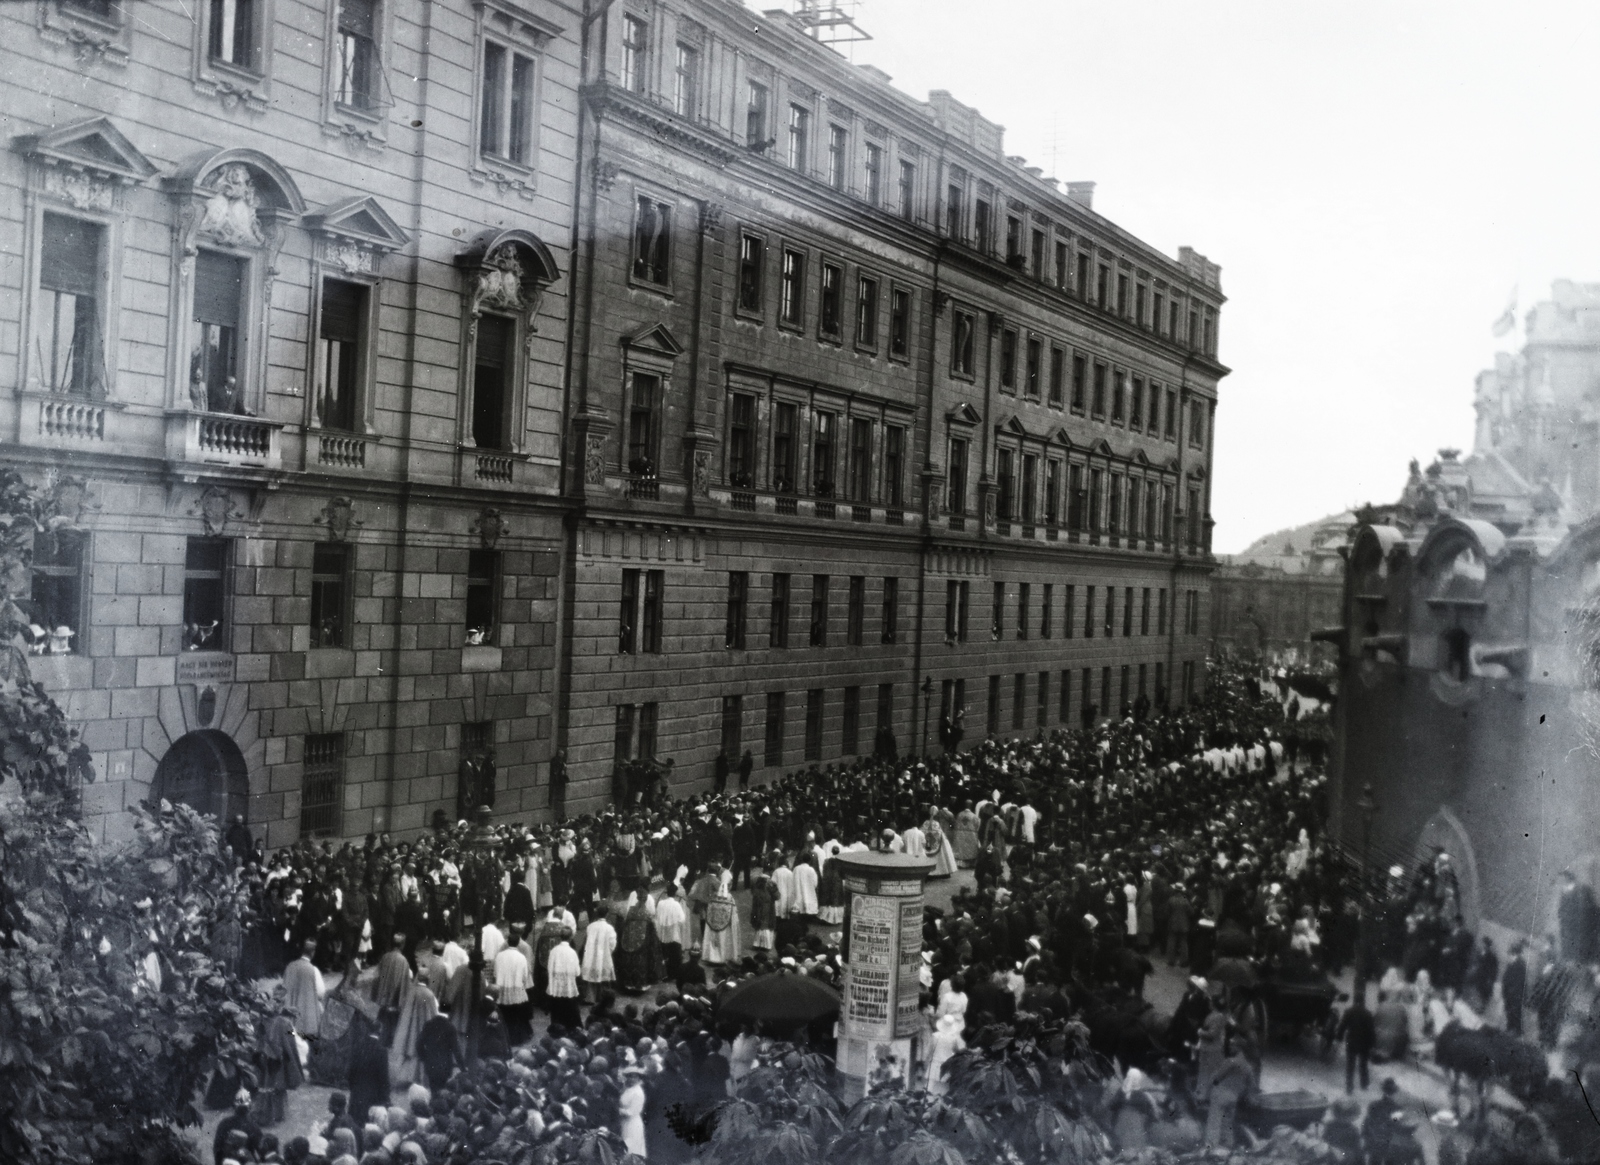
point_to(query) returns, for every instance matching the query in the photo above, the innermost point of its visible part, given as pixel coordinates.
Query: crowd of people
(1182, 836)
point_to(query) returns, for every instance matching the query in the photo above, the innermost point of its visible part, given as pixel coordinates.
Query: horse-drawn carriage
(1288, 998)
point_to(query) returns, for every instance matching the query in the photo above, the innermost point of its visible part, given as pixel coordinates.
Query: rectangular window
(1030, 489)
(1024, 601)
(628, 614)
(894, 446)
(1208, 344)
(1099, 408)
(1063, 257)
(1105, 691)
(1005, 472)
(1042, 715)
(955, 611)
(1119, 397)
(1084, 264)
(738, 606)
(908, 190)
(867, 312)
(1008, 360)
(1111, 610)
(1193, 336)
(205, 595)
(819, 610)
(823, 440)
(953, 214)
(1064, 697)
(1172, 415)
(58, 590)
(752, 250)
(507, 117)
(831, 311)
(644, 426)
(1052, 493)
(322, 785)
(992, 719)
(1188, 681)
(1038, 254)
(755, 116)
(233, 32)
(483, 580)
(1140, 294)
(785, 447)
(1144, 679)
(886, 709)
(1192, 521)
(1019, 701)
(856, 610)
(1127, 612)
(1103, 287)
(838, 155)
(1096, 499)
(963, 328)
(652, 239)
(792, 307)
(778, 624)
(1122, 295)
(1013, 240)
(814, 704)
(686, 82)
(647, 730)
(850, 737)
(956, 503)
(654, 611)
(799, 135)
(900, 323)
(357, 85)
(1173, 313)
(1161, 611)
(67, 339)
(1136, 404)
(1144, 613)
(1075, 498)
(874, 190)
(997, 612)
(1080, 374)
(342, 325)
(1058, 360)
(1088, 612)
(732, 728)
(860, 460)
(1153, 421)
(1067, 620)
(741, 440)
(330, 595)
(1114, 506)
(635, 52)
(890, 630)
(622, 736)
(1157, 305)
(491, 379)
(1161, 691)
(774, 731)
(218, 317)
(1035, 358)
(1046, 611)
(1122, 692)
(1197, 424)
(982, 225)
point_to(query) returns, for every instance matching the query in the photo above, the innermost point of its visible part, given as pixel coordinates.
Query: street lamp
(927, 695)
(1367, 807)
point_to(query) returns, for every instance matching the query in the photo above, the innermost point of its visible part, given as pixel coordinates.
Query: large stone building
(1271, 599)
(833, 418)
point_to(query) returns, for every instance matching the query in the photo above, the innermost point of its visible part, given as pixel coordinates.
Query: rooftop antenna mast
(831, 22)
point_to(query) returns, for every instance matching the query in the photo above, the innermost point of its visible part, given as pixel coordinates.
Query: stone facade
(367, 463)
(1271, 599)
(166, 151)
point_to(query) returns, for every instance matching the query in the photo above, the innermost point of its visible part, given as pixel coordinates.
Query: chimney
(1082, 193)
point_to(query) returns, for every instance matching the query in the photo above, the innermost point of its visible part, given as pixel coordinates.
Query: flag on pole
(1508, 318)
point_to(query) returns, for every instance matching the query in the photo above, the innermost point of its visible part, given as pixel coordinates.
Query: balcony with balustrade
(200, 441)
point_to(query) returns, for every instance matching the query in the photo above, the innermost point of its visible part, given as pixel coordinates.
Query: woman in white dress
(947, 1042)
(630, 1109)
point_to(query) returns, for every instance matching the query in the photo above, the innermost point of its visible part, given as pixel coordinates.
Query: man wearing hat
(1378, 1127)
(1359, 1033)
(236, 1121)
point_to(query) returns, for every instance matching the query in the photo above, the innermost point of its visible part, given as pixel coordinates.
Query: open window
(233, 51)
(507, 85)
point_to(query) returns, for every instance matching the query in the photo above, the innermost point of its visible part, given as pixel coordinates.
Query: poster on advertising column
(907, 1022)
(872, 967)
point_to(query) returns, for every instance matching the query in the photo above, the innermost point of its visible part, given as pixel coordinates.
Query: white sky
(1374, 176)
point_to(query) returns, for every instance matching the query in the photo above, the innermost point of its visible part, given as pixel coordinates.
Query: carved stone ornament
(605, 174)
(488, 526)
(216, 510)
(69, 500)
(354, 258)
(594, 461)
(702, 472)
(339, 516)
(78, 188)
(499, 283)
(710, 217)
(230, 211)
(941, 300)
(205, 706)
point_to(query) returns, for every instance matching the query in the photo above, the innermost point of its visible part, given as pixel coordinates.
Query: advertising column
(883, 960)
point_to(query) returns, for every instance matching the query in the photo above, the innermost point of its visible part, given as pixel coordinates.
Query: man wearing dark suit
(1514, 988)
(1359, 1035)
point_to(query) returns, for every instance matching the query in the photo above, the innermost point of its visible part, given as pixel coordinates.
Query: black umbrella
(784, 998)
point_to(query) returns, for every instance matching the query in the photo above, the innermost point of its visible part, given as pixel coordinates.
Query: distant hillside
(1286, 549)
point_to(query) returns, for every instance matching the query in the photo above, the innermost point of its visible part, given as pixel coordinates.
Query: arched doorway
(206, 771)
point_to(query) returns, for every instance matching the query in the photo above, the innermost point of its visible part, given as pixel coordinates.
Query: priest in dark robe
(638, 955)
